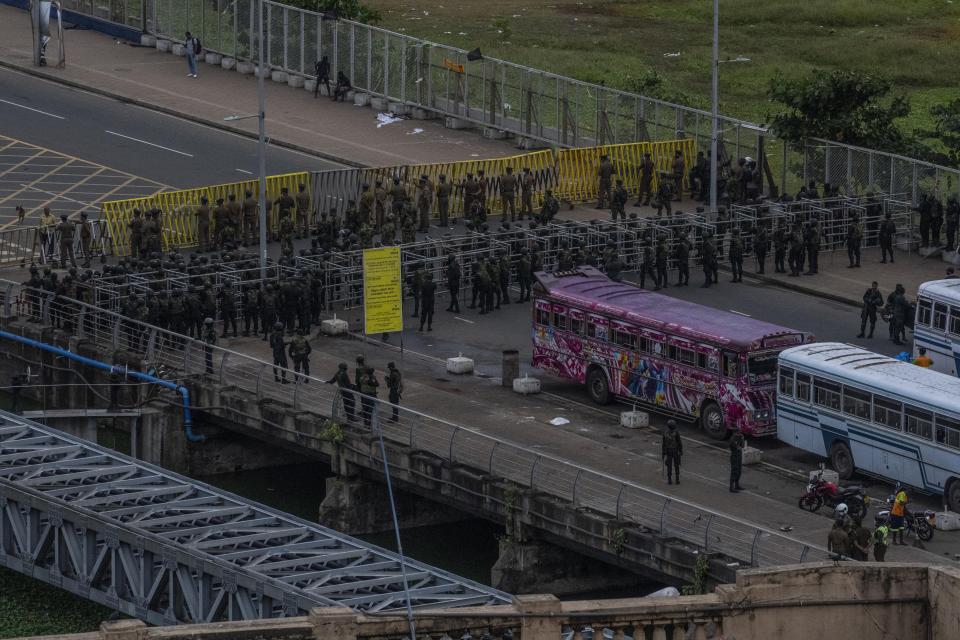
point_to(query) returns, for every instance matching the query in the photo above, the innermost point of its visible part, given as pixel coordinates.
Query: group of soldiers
(935, 217)
(64, 235)
(365, 383)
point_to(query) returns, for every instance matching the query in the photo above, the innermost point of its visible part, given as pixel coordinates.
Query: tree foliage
(843, 106)
(349, 9)
(942, 143)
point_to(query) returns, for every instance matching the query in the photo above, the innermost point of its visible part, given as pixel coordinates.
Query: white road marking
(22, 106)
(60, 196)
(249, 173)
(740, 313)
(463, 320)
(159, 146)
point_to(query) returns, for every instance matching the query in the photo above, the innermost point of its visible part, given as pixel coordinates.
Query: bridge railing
(523, 467)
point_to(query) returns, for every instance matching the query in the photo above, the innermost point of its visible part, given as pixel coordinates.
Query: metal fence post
(663, 516)
(286, 38)
(303, 47)
(336, 51)
(753, 548)
(353, 50)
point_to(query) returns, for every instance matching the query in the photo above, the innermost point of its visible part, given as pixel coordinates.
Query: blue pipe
(124, 371)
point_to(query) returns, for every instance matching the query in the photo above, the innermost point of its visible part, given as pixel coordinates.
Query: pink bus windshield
(680, 356)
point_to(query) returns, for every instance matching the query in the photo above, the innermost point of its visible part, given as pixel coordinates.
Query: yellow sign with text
(382, 291)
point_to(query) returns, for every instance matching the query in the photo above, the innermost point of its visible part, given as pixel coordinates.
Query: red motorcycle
(820, 493)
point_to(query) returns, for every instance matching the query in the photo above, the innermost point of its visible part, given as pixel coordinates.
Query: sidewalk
(154, 80)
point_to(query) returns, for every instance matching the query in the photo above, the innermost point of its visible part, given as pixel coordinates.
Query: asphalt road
(162, 148)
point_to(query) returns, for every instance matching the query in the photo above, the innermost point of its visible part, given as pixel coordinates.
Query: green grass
(914, 43)
(29, 607)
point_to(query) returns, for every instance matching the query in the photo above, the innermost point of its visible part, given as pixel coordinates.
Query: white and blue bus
(936, 326)
(868, 412)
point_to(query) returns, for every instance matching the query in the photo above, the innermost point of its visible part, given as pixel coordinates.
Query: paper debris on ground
(414, 132)
(559, 422)
(386, 118)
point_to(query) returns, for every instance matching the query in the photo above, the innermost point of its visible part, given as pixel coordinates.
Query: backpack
(197, 47)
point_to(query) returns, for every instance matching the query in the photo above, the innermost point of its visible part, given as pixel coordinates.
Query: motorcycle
(916, 523)
(820, 493)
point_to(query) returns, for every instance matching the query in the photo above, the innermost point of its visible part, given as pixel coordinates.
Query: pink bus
(676, 356)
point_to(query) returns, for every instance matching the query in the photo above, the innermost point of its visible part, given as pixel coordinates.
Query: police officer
(209, 338)
(380, 205)
(872, 300)
(398, 198)
(424, 203)
(453, 276)
(202, 215)
(427, 295)
(503, 273)
(736, 460)
(86, 236)
(342, 378)
(671, 450)
(303, 211)
(796, 250)
(228, 310)
(279, 348)
(444, 191)
(284, 203)
(811, 240)
(527, 183)
(300, 354)
(679, 170)
(395, 386)
(647, 267)
(66, 229)
(854, 241)
(888, 230)
(136, 233)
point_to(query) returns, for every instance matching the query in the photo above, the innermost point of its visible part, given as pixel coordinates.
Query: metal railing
(583, 487)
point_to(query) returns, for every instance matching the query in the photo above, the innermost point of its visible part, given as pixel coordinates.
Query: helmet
(278, 325)
(672, 424)
(841, 510)
(208, 321)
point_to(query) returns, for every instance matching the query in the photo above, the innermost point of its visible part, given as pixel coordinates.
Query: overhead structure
(168, 550)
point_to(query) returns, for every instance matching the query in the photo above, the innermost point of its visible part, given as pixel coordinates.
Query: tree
(944, 145)
(349, 9)
(843, 106)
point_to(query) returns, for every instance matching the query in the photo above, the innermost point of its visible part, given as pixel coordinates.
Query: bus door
(731, 365)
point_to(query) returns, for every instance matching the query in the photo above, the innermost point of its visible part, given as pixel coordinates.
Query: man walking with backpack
(192, 48)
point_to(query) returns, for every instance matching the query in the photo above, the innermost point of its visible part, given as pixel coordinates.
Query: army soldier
(249, 212)
(811, 240)
(300, 354)
(550, 207)
(251, 311)
(482, 186)
(66, 228)
(358, 370)
(209, 339)
(872, 300)
(735, 255)
(504, 277)
(398, 198)
(708, 254)
(303, 211)
(388, 232)
(661, 263)
(679, 170)
(952, 217)
(368, 387)
(86, 236)
(286, 233)
(647, 267)
(424, 203)
(760, 246)
(284, 203)
(279, 348)
(796, 250)
(228, 310)
(342, 378)
(380, 204)
(737, 445)
(525, 275)
(470, 189)
(888, 230)
(416, 284)
(444, 190)
(854, 240)
(268, 309)
(453, 283)
(671, 450)
(136, 233)
(427, 297)
(682, 258)
(235, 215)
(408, 233)
(605, 173)
(780, 244)
(527, 183)
(646, 181)
(395, 386)
(508, 193)
(618, 202)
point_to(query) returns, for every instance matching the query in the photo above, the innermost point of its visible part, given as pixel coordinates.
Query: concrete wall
(944, 595)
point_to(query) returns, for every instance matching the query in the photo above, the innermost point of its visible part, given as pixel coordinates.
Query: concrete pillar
(540, 616)
(123, 630)
(161, 441)
(540, 567)
(338, 623)
(357, 506)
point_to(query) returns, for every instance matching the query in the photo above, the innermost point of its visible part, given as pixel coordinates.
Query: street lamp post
(714, 99)
(261, 146)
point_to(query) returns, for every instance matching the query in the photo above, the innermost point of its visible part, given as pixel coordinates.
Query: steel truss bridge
(167, 549)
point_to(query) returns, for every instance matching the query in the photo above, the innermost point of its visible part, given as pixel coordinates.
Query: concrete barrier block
(751, 455)
(526, 385)
(495, 134)
(163, 45)
(246, 68)
(423, 114)
(147, 40)
(178, 50)
(309, 84)
(946, 520)
(398, 109)
(212, 58)
(926, 252)
(267, 73)
(457, 123)
(634, 419)
(228, 63)
(350, 96)
(361, 99)
(950, 257)
(295, 81)
(279, 76)
(334, 327)
(460, 365)
(378, 104)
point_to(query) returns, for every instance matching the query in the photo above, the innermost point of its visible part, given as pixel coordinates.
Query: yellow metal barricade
(178, 209)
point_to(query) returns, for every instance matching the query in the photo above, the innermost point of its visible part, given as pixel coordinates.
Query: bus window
(948, 431)
(924, 311)
(731, 364)
(955, 321)
(762, 367)
(559, 320)
(803, 387)
(786, 381)
(576, 325)
(887, 412)
(826, 394)
(644, 344)
(688, 356)
(919, 422)
(856, 402)
(542, 317)
(624, 339)
(940, 316)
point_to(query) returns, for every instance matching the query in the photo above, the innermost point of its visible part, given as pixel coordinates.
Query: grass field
(914, 43)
